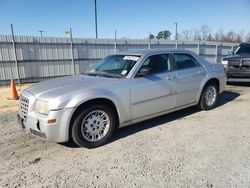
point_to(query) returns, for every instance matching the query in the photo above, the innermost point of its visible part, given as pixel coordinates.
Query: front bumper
(37, 125)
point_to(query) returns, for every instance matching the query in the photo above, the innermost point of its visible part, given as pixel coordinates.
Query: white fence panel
(46, 57)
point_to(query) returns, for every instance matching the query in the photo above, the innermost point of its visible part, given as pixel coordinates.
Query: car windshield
(242, 49)
(113, 66)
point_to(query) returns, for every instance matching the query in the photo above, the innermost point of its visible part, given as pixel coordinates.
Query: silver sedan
(120, 90)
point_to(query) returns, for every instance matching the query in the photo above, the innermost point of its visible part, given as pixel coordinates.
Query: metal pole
(41, 33)
(216, 53)
(72, 52)
(198, 48)
(232, 48)
(96, 33)
(149, 41)
(176, 34)
(15, 54)
(115, 42)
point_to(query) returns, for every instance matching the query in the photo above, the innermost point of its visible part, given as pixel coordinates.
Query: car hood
(72, 84)
(237, 56)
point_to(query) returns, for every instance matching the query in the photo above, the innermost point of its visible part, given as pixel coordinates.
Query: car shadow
(69, 144)
(247, 84)
(225, 97)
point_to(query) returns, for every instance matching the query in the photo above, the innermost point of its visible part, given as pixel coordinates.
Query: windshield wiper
(103, 74)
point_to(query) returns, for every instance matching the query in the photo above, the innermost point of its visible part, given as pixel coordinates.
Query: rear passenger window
(185, 61)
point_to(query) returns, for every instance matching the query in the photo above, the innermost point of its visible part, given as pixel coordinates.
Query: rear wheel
(94, 126)
(209, 96)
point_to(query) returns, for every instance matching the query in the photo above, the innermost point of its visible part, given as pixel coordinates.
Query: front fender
(121, 100)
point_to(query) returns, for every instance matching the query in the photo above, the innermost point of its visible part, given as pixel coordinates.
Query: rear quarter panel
(214, 71)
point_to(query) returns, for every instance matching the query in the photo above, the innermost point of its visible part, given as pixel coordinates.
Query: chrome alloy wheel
(95, 125)
(210, 95)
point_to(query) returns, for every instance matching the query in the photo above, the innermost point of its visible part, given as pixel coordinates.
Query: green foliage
(164, 34)
(151, 36)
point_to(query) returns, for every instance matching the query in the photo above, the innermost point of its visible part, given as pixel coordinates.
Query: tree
(164, 35)
(222, 35)
(151, 36)
(210, 37)
(240, 36)
(195, 34)
(218, 35)
(230, 36)
(205, 31)
(248, 37)
(185, 34)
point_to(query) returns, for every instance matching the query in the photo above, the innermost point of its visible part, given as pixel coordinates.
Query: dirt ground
(188, 148)
(9, 105)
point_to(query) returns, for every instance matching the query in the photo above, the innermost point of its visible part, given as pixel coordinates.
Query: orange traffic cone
(13, 91)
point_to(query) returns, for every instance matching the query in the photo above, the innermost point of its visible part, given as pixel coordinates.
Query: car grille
(23, 107)
(234, 63)
(246, 63)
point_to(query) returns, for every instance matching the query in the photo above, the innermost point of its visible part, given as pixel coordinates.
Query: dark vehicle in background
(237, 64)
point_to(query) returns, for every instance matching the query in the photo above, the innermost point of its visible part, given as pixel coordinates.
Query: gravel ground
(188, 148)
(8, 105)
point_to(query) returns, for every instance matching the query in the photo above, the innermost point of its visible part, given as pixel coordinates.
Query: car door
(155, 92)
(189, 75)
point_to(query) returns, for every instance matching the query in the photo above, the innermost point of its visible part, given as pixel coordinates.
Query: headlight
(42, 107)
(224, 62)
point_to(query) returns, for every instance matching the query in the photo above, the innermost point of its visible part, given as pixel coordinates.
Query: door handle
(170, 77)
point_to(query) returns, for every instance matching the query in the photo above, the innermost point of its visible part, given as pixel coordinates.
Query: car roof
(153, 51)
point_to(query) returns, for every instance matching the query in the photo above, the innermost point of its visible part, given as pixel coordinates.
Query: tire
(94, 126)
(209, 96)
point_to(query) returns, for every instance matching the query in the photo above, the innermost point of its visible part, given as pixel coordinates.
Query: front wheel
(209, 97)
(94, 126)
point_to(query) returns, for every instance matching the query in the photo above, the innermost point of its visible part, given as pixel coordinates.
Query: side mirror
(144, 71)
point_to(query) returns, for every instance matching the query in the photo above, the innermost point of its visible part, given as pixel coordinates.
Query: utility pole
(176, 33)
(115, 42)
(149, 40)
(41, 33)
(15, 54)
(96, 33)
(72, 51)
